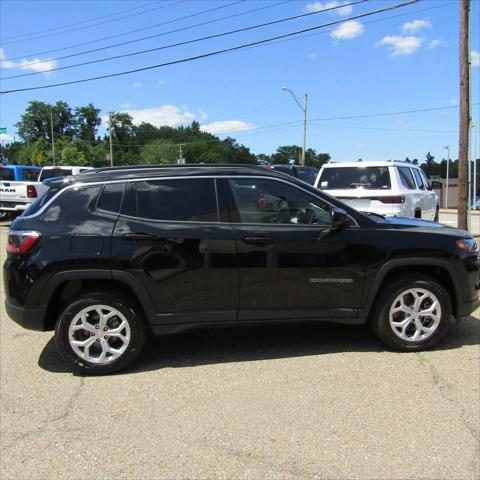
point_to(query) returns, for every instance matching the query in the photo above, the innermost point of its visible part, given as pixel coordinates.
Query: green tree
(159, 151)
(70, 155)
(87, 121)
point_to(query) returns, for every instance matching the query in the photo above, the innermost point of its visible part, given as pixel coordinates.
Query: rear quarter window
(30, 175)
(406, 178)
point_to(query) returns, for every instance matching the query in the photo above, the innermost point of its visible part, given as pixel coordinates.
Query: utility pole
(110, 134)
(447, 148)
(304, 110)
(53, 139)
(474, 126)
(463, 185)
(304, 146)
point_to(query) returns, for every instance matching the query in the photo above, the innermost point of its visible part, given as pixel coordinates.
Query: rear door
(170, 238)
(292, 265)
(427, 197)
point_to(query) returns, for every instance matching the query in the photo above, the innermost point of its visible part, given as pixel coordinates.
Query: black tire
(127, 308)
(437, 215)
(380, 318)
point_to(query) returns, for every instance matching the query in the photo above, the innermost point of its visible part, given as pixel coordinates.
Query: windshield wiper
(355, 184)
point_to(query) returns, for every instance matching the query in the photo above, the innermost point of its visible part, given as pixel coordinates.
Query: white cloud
(401, 45)
(362, 145)
(415, 26)
(227, 126)
(319, 6)
(162, 82)
(169, 115)
(435, 43)
(313, 55)
(25, 64)
(126, 105)
(6, 138)
(454, 101)
(475, 58)
(203, 115)
(348, 30)
(136, 85)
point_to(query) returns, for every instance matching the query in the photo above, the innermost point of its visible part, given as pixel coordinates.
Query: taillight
(31, 191)
(21, 241)
(398, 199)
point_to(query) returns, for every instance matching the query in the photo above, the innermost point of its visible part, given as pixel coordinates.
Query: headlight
(468, 245)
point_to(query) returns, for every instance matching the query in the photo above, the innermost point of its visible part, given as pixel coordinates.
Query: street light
(304, 110)
(447, 148)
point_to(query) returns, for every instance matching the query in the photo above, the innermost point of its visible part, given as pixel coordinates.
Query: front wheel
(100, 333)
(413, 313)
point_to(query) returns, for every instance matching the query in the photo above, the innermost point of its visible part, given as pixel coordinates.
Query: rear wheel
(413, 313)
(100, 333)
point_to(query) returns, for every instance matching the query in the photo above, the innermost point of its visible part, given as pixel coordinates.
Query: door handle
(138, 237)
(324, 233)
(260, 241)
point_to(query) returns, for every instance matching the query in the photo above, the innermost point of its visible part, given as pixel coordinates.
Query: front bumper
(31, 319)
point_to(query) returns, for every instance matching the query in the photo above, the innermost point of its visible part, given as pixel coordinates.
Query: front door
(292, 263)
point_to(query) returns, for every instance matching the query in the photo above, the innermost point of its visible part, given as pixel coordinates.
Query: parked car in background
(60, 171)
(9, 176)
(306, 174)
(15, 197)
(111, 255)
(386, 188)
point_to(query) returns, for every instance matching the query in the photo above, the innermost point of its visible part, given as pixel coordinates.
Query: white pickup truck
(17, 196)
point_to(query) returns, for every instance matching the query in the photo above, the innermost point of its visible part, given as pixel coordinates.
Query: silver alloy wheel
(415, 314)
(99, 334)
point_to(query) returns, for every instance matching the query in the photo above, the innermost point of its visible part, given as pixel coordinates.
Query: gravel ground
(314, 401)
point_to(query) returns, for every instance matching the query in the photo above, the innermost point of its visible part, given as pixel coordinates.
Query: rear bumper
(13, 206)
(31, 319)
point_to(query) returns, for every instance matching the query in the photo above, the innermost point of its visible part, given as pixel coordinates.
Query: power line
(77, 23)
(187, 42)
(385, 114)
(174, 20)
(214, 53)
(94, 25)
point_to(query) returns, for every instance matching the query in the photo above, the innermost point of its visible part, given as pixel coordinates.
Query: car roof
(63, 167)
(362, 164)
(99, 175)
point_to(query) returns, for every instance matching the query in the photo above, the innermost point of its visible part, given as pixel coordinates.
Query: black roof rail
(171, 165)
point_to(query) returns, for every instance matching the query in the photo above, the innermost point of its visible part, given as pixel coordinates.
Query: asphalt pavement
(300, 401)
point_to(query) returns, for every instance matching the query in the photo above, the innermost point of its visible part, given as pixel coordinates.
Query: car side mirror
(437, 185)
(339, 218)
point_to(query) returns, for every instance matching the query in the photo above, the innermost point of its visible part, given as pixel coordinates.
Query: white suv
(387, 188)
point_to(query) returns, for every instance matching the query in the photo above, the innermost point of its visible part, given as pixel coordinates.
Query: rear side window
(30, 175)
(406, 178)
(7, 174)
(192, 200)
(419, 179)
(111, 197)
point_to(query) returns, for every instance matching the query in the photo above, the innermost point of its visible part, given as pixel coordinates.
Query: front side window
(419, 179)
(406, 178)
(269, 201)
(190, 199)
(344, 178)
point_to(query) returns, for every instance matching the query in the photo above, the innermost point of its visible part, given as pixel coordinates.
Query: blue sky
(405, 59)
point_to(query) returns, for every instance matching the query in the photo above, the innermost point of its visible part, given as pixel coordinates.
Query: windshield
(7, 174)
(54, 172)
(342, 178)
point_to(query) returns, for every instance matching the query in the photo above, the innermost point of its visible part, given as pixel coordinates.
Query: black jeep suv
(104, 257)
